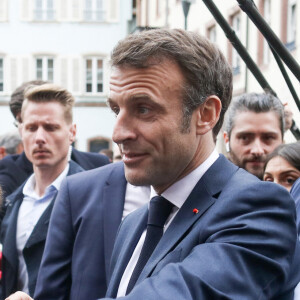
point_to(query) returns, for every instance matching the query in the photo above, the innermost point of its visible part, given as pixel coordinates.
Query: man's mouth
(41, 151)
(132, 157)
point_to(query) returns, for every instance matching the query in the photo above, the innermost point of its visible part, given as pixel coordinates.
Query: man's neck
(45, 176)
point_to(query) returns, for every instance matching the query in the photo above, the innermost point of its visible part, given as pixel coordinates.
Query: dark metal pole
(286, 77)
(249, 8)
(186, 7)
(229, 32)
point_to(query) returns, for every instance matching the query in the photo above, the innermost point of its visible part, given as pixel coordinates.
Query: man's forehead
(250, 118)
(260, 123)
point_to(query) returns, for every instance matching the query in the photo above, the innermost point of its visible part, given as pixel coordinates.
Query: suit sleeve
(54, 278)
(241, 249)
(295, 192)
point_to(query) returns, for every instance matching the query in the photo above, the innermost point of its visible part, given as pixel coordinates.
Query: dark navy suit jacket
(239, 245)
(16, 168)
(82, 230)
(295, 192)
(35, 244)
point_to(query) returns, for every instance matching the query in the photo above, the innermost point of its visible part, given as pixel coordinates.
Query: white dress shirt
(30, 211)
(177, 195)
(135, 197)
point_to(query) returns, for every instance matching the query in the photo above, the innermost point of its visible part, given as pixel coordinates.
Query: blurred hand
(288, 115)
(19, 296)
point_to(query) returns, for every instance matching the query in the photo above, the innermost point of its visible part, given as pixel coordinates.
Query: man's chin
(256, 172)
(136, 177)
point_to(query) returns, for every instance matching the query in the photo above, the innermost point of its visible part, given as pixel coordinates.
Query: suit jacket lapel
(40, 230)
(127, 243)
(182, 222)
(113, 199)
(202, 197)
(10, 248)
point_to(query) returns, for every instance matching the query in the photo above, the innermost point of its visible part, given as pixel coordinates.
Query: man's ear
(208, 114)
(20, 127)
(2, 152)
(226, 141)
(72, 133)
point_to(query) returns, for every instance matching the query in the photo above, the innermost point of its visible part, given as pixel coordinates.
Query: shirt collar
(70, 152)
(28, 189)
(176, 194)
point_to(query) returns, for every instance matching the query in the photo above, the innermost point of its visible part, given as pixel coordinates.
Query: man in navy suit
(227, 235)
(295, 192)
(15, 169)
(47, 132)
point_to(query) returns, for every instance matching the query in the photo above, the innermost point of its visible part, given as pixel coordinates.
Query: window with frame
(94, 75)
(45, 68)
(291, 24)
(97, 144)
(236, 60)
(94, 11)
(1, 75)
(44, 10)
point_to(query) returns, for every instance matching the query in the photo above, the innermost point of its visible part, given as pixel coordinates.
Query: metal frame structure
(278, 49)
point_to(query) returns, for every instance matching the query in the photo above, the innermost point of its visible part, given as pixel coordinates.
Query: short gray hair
(258, 103)
(10, 141)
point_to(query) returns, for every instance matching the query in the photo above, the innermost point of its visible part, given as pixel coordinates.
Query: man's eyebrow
(134, 97)
(109, 102)
(244, 132)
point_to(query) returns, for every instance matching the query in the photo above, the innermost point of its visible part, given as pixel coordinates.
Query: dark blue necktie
(159, 210)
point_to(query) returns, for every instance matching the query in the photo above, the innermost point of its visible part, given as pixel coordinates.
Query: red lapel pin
(195, 210)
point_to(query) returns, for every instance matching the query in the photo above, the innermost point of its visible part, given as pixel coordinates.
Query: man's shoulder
(8, 161)
(295, 191)
(18, 161)
(98, 174)
(89, 160)
(13, 172)
(236, 185)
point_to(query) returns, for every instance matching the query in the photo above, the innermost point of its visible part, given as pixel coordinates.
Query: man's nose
(40, 136)
(124, 129)
(257, 148)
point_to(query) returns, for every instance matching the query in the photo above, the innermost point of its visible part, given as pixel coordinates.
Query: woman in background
(283, 165)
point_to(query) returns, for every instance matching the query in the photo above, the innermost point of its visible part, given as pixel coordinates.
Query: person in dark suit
(15, 169)
(295, 192)
(210, 230)
(82, 231)
(47, 132)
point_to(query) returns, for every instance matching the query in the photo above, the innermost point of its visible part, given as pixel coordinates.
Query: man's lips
(130, 157)
(41, 152)
(255, 162)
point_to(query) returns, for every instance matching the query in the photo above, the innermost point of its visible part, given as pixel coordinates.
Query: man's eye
(30, 128)
(244, 138)
(269, 138)
(51, 127)
(143, 110)
(115, 110)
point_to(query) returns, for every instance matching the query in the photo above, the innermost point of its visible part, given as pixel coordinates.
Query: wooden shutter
(75, 75)
(113, 7)
(25, 69)
(3, 10)
(26, 10)
(64, 73)
(13, 73)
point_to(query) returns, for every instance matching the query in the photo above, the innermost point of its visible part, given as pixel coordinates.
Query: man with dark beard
(254, 128)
